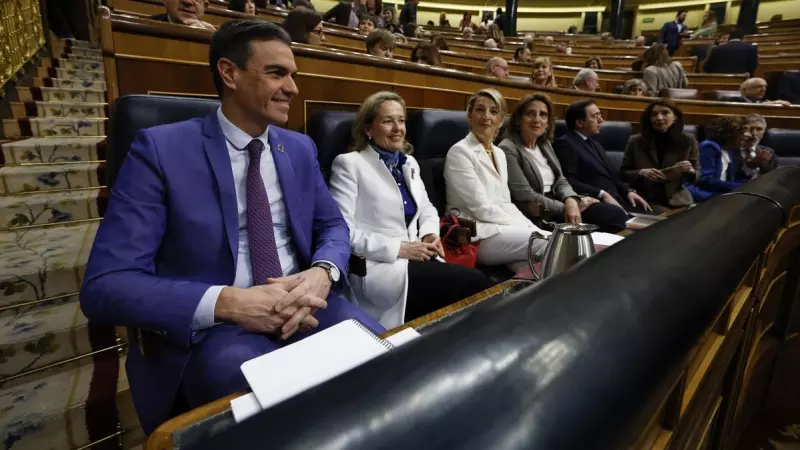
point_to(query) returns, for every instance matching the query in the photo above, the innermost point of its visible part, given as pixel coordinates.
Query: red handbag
(457, 241)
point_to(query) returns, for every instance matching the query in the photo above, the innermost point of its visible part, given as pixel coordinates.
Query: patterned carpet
(62, 379)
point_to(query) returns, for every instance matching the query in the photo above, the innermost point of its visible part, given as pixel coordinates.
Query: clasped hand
(429, 247)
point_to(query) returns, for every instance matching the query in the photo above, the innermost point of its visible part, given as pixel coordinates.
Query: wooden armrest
(357, 265)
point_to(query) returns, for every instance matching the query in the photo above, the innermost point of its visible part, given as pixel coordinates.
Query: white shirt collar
(235, 136)
(582, 136)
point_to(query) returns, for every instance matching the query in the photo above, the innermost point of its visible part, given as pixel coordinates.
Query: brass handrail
(21, 35)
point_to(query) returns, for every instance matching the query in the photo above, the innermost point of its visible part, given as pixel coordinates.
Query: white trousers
(509, 247)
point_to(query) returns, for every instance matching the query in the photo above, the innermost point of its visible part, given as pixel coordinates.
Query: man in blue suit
(221, 241)
(671, 32)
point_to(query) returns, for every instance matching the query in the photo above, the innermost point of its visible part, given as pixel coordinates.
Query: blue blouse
(394, 162)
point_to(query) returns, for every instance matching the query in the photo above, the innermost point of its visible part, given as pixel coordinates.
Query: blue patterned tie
(264, 260)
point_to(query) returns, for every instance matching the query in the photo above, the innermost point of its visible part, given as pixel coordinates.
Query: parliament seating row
(433, 132)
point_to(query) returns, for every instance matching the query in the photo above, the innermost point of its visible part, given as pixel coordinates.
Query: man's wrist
(225, 302)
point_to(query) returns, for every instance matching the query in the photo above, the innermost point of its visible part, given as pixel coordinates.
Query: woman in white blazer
(476, 178)
(392, 222)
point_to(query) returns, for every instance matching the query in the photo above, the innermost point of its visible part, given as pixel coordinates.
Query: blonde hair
(366, 115)
(544, 61)
(491, 94)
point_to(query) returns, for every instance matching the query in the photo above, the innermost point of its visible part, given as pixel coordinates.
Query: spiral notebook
(286, 372)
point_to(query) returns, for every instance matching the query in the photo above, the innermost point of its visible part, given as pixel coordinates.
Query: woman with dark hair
(242, 6)
(466, 21)
(374, 9)
(660, 72)
(304, 26)
(392, 221)
(425, 53)
(594, 63)
(720, 154)
(367, 24)
(440, 42)
(658, 161)
(538, 186)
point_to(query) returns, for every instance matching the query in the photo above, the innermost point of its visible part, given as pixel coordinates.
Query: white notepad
(286, 372)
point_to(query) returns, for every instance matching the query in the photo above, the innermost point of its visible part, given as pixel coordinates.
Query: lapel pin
(281, 149)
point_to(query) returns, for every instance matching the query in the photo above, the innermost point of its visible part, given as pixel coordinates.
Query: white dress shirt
(543, 166)
(725, 157)
(747, 155)
(236, 141)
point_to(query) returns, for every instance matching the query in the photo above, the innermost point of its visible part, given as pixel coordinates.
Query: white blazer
(370, 201)
(478, 190)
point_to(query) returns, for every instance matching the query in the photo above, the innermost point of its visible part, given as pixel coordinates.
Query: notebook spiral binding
(383, 342)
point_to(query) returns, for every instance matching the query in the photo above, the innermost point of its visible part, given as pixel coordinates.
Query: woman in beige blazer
(392, 222)
(476, 178)
(660, 72)
(538, 186)
(658, 161)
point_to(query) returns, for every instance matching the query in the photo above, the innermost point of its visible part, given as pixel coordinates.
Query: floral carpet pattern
(62, 378)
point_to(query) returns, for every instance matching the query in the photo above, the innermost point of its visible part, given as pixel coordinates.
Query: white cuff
(204, 314)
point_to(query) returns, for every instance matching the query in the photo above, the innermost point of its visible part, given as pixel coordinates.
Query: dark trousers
(432, 285)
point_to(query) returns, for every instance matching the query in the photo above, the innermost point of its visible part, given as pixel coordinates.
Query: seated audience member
(548, 40)
(709, 26)
(466, 22)
(720, 156)
(243, 6)
(660, 72)
(639, 41)
(185, 12)
(399, 38)
(346, 13)
(606, 39)
(496, 33)
(425, 53)
(392, 222)
(431, 23)
(366, 24)
(440, 42)
(753, 90)
(490, 44)
(573, 29)
(381, 43)
(304, 26)
(733, 56)
(207, 285)
(594, 63)
(635, 87)
(443, 22)
(586, 80)
(538, 186)
(390, 20)
(661, 158)
(758, 159)
(521, 55)
(528, 43)
(374, 8)
(497, 67)
(467, 33)
(476, 180)
(585, 163)
(542, 74)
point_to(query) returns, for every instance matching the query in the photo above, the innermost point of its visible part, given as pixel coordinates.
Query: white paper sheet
(606, 239)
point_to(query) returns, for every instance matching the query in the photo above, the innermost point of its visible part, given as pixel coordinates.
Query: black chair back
(785, 144)
(331, 132)
(132, 113)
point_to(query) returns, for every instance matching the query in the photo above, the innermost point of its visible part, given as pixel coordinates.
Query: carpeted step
(58, 109)
(83, 52)
(70, 408)
(47, 177)
(86, 85)
(54, 127)
(43, 263)
(74, 64)
(53, 150)
(50, 94)
(47, 208)
(71, 74)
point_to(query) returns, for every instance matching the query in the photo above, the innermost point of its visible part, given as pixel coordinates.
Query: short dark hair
(737, 33)
(518, 52)
(515, 122)
(236, 5)
(681, 11)
(299, 23)
(725, 130)
(380, 36)
(232, 42)
(499, 11)
(576, 112)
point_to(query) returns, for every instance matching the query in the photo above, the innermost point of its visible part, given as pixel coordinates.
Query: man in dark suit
(408, 15)
(756, 159)
(672, 32)
(500, 19)
(184, 12)
(221, 241)
(753, 90)
(585, 163)
(734, 56)
(346, 13)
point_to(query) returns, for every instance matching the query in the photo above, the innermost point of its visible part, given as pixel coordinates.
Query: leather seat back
(679, 93)
(785, 144)
(331, 132)
(435, 131)
(720, 96)
(132, 113)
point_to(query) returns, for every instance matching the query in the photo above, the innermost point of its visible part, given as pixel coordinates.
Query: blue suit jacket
(171, 232)
(710, 184)
(670, 36)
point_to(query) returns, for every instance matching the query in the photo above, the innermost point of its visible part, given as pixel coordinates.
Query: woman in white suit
(392, 222)
(476, 177)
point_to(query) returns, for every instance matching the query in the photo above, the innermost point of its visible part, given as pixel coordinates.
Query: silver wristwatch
(333, 271)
